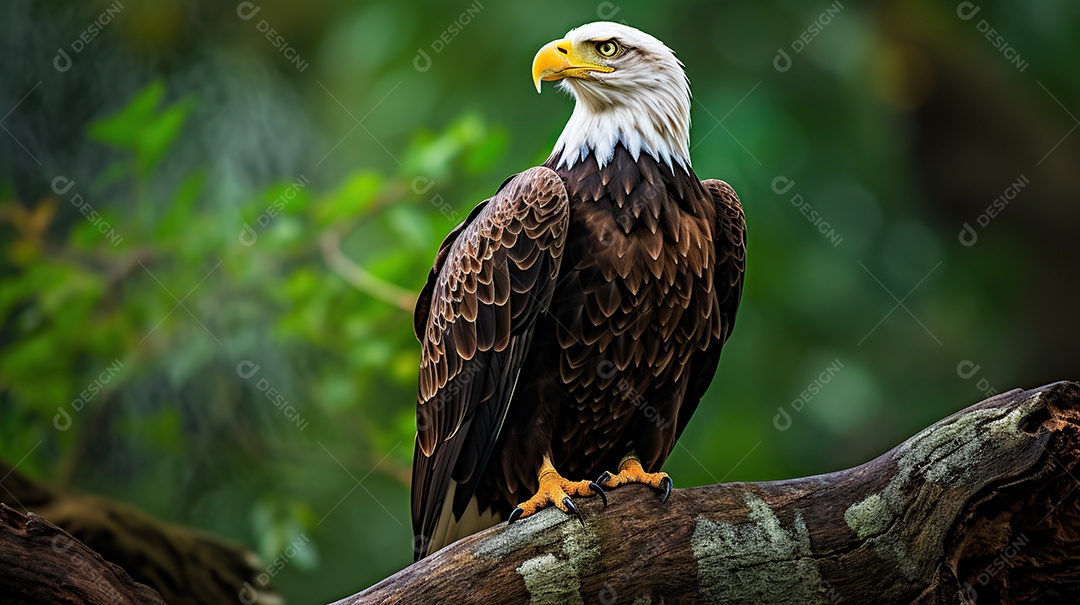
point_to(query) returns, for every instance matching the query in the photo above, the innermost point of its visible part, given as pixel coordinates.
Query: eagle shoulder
(730, 238)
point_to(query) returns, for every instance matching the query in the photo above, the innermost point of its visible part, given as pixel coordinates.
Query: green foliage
(143, 128)
(183, 301)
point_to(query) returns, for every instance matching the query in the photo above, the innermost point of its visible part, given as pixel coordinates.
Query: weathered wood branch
(184, 565)
(41, 563)
(981, 506)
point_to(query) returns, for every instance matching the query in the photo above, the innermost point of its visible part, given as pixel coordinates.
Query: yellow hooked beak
(560, 59)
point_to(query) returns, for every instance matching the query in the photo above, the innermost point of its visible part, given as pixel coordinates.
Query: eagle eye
(607, 48)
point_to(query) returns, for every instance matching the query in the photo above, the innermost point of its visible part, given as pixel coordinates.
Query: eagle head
(629, 88)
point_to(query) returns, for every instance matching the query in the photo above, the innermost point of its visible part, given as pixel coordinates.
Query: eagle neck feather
(654, 120)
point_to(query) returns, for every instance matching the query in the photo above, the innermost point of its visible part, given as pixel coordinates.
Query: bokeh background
(214, 217)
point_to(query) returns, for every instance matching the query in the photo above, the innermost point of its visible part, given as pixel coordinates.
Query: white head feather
(643, 103)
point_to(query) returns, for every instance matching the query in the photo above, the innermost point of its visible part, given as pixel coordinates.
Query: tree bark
(980, 507)
(185, 566)
(41, 563)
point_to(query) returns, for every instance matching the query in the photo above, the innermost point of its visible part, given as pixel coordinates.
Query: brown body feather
(578, 314)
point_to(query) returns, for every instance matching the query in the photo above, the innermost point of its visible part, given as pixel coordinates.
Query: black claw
(666, 485)
(599, 492)
(570, 504)
(604, 478)
(515, 515)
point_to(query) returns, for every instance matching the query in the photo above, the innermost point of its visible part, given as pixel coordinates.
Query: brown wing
(730, 239)
(494, 274)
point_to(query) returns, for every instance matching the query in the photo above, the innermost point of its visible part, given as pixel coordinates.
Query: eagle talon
(569, 504)
(631, 471)
(599, 492)
(556, 489)
(665, 485)
(515, 515)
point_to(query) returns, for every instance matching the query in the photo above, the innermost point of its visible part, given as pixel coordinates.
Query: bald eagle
(571, 324)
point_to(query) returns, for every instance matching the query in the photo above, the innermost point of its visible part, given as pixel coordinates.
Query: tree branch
(981, 505)
(41, 563)
(184, 565)
(359, 277)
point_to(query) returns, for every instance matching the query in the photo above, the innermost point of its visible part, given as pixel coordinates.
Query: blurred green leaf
(142, 128)
(352, 199)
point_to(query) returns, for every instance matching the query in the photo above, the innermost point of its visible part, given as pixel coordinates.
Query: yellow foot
(554, 489)
(631, 471)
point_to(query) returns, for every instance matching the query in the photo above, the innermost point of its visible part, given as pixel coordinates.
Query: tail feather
(449, 530)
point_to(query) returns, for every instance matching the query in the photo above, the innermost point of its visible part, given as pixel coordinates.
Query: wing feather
(729, 237)
(493, 276)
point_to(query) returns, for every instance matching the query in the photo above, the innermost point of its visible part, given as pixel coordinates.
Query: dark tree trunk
(980, 507)
(185, 566)
(41, 563)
